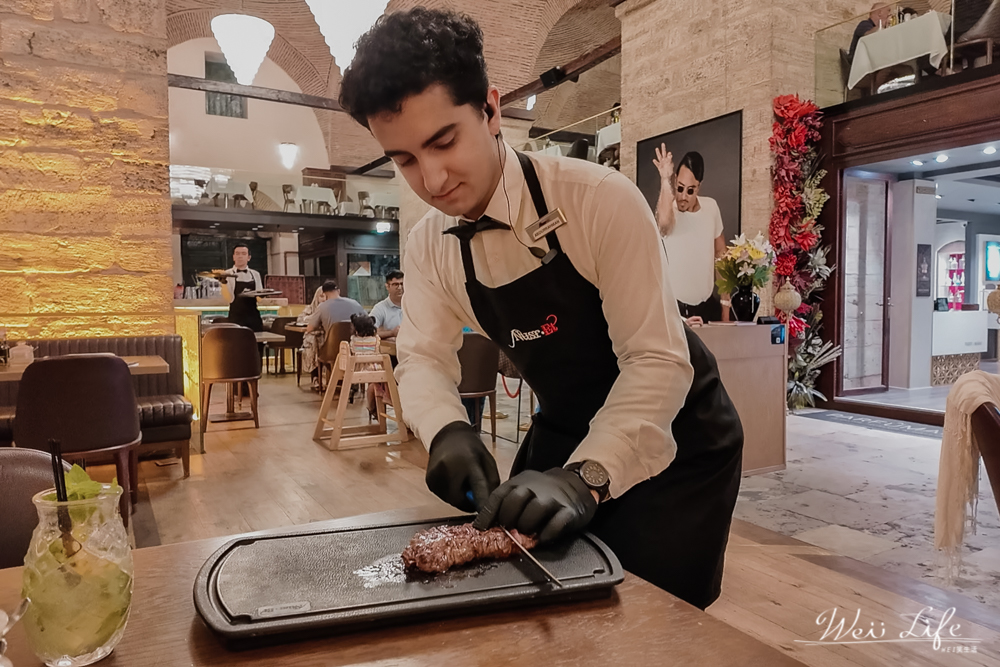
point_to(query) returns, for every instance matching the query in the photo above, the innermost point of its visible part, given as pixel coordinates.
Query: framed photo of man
(720, 143)
(695, 174)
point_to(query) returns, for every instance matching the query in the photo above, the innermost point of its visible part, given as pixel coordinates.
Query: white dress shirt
(250, 275)
(612, 240)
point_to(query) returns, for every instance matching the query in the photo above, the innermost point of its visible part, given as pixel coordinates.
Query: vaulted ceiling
(523, 39)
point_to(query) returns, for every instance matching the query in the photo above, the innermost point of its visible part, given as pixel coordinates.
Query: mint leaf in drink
(79, 486)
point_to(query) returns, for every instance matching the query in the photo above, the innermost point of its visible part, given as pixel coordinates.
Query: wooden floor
(774, 588)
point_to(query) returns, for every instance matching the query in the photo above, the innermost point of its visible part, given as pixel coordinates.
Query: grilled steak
(442, 547)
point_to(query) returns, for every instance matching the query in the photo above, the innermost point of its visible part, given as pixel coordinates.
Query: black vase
(745, 303)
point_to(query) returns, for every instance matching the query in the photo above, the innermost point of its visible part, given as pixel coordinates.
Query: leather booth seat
(164, 414)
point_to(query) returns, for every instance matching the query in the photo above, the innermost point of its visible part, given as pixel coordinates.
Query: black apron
(243, 309)
(670, 530)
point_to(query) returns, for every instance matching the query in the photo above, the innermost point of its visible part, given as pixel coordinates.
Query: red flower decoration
(790, 107)
(804, 309)
(796, 326)
(785, 264)
(807, 239)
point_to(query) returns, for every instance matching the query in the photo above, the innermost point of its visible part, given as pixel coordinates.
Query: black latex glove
(460, 463)
(549, 504)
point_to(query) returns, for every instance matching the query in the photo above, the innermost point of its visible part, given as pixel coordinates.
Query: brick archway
(195, 24)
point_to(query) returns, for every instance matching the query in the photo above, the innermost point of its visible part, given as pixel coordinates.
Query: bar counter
(639, 625)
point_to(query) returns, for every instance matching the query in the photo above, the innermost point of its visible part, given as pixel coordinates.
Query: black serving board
(289, 585)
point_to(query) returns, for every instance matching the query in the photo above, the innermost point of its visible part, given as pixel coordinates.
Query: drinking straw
(57, 470)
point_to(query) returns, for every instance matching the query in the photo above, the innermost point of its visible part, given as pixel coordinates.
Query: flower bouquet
(746, 264)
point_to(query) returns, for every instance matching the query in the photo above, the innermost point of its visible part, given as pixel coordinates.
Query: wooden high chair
(352, 369)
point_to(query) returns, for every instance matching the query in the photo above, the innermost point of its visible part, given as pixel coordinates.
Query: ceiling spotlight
(989, 150)
(941, 158)
(917, 163)
(937, 196)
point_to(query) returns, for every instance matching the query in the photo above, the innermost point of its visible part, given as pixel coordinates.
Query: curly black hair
(405, 53)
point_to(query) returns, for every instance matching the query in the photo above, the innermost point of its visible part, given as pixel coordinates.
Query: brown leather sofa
(164, 414)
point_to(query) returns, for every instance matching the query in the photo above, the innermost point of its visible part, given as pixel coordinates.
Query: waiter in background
(239, 279)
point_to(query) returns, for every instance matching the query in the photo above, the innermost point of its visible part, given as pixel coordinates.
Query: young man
(241, 278)
(636, 439)
(691, 227)
(388, 312)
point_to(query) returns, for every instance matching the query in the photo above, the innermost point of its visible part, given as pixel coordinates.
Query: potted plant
(745, 265)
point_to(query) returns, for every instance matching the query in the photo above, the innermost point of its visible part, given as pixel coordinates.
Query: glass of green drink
(78, 577)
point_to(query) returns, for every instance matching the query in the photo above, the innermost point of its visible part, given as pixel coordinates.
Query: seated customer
(877, 19)
(312, 341)
(336, 308)
(364, 341)
(388, 313)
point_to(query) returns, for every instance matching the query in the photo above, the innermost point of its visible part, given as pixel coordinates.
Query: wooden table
(300, 328)
(142, 365)
(905, 42)
(388, 346)
(639, 625)
(268, 337)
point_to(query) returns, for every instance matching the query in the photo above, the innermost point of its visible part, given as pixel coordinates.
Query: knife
(552, 577)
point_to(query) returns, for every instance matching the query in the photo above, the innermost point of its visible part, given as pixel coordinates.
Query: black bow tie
(242, 270)
(466, 230)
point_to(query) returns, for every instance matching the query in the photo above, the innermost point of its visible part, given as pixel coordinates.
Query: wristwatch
(594, 476)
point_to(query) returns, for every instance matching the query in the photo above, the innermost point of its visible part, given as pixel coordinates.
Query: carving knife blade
(551, 577)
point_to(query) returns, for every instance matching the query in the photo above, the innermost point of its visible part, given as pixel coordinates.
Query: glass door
(865, 357)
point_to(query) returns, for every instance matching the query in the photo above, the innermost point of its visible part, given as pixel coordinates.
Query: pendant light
(244, 41)
(342, 22)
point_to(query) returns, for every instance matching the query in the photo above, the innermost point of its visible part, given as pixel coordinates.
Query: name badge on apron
(552, 220)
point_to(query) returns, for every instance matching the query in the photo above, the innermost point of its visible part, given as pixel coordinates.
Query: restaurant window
(366, 277)
(221, 104)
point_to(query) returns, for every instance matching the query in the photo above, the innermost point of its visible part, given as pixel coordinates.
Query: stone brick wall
(683, 63)
(84, 206)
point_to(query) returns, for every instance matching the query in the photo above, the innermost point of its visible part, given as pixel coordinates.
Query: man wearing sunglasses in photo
(691, 229)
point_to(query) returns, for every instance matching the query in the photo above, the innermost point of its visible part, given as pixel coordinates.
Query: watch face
(594, 474)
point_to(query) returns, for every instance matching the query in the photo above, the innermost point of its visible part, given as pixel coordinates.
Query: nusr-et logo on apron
(547, 329)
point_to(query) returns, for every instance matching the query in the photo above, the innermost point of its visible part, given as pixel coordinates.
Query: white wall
(913, 222)
(249, 146)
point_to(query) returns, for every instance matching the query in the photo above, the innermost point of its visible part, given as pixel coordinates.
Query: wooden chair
(293, 341)
(287, 191)
(351, 369)
(480, 361)
(229, 355)
(87, 402)
(326, 355)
